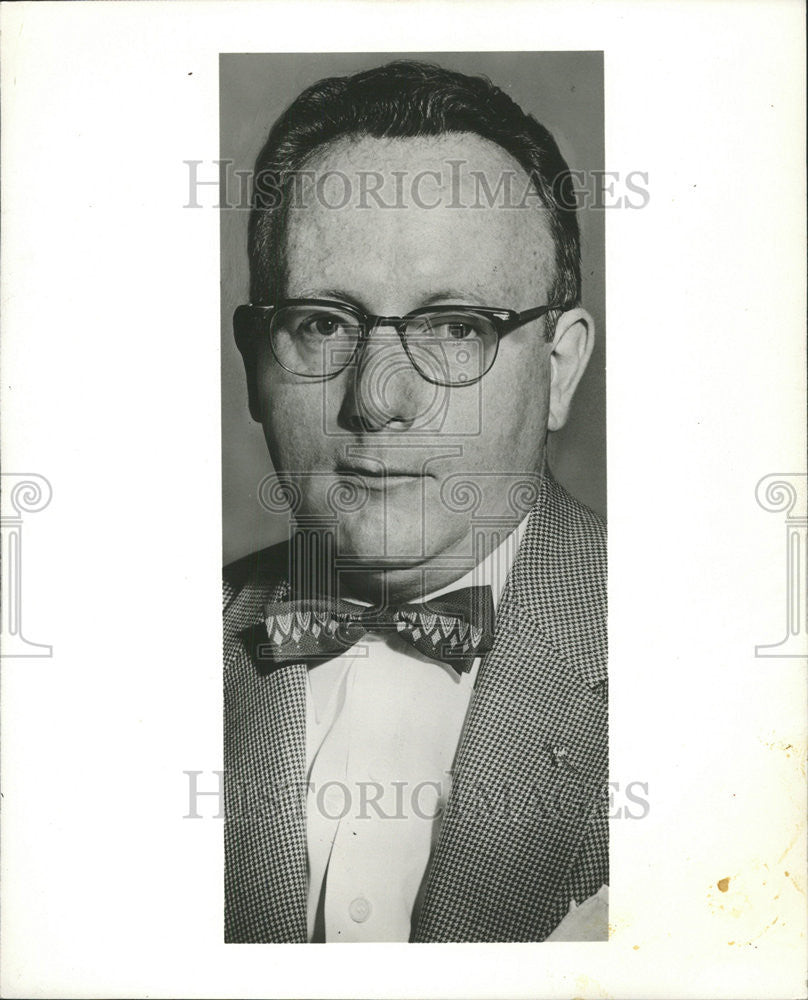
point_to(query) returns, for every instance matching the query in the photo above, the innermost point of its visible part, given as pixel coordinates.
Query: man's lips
(377, 474)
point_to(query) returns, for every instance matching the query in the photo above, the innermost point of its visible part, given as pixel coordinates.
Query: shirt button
(359, 910)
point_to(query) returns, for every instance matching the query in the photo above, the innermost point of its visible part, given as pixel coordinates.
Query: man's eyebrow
(337, 294)
(454, 295)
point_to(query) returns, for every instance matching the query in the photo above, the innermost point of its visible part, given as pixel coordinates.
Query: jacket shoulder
(560, 576)
(570, 536)
(249, 582)
(577, 526)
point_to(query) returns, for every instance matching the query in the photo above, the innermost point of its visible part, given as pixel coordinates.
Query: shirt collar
(493, 570)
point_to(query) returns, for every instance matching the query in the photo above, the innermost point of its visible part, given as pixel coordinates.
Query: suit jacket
(525, 826)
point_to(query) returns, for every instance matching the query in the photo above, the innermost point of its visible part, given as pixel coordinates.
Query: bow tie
(454, 628)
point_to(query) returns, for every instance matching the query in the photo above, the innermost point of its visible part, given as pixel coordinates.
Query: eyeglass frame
(504, 322)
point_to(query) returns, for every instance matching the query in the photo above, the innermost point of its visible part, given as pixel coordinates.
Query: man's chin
(397, 538)
(386, 539)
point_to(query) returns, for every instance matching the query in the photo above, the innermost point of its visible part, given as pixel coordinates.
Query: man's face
(380, 414)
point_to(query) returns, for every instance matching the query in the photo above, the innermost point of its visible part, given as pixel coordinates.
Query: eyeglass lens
(455, 347)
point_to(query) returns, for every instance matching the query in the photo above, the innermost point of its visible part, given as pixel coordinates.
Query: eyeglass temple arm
(519, 319)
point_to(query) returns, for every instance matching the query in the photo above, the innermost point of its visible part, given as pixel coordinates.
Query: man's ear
(247, 343)
(572, 349)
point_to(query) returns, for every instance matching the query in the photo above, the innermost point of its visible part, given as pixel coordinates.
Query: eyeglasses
(318, 338)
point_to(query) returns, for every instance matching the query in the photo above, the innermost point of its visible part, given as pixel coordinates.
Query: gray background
(563, 90)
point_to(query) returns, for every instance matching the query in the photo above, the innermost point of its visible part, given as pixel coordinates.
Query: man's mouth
(377, 475)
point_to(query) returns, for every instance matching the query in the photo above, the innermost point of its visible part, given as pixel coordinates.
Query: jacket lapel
(532, 760)
(265, 796)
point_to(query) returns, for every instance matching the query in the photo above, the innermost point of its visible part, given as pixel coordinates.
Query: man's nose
(384, 391)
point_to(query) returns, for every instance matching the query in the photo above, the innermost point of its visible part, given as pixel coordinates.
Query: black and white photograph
(333, 335)
(415, 716)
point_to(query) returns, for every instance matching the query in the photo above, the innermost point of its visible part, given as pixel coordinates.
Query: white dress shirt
(383, 723)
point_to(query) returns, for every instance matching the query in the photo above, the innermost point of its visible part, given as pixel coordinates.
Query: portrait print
(415, 707)
(304, 305)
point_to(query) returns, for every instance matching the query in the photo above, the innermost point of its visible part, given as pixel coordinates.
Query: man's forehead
(453, 171)
(454, 209)
(388, 154)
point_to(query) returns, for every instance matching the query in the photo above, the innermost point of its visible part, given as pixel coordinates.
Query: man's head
(393, 191)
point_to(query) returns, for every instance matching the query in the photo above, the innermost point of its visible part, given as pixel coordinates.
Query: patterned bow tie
(454, 628)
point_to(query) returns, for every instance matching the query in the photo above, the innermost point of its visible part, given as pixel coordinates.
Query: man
(415, 706)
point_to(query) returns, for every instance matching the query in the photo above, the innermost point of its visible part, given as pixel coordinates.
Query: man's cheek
(294, 431)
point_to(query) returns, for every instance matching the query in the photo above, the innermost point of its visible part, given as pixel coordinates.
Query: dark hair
(406, 100)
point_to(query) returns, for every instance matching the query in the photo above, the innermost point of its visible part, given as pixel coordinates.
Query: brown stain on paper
(741, 907)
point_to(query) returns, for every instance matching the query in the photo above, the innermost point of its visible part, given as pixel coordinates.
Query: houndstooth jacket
(525, 829)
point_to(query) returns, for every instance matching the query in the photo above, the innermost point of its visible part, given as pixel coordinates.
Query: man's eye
(459, 331)
(454, 330)
(320, 326)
